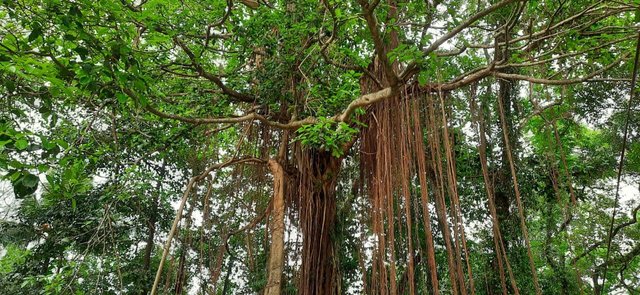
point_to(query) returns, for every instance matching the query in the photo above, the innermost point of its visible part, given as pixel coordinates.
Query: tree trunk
(503, 186)
(276, 251)
(148, 249)
(227, 278)
(181, 276)
(597, 288)
(151, 233)
(318, 174)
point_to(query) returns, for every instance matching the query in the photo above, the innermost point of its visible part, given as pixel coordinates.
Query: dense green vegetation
(319, 147)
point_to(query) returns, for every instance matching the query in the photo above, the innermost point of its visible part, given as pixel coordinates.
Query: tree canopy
(319, 147)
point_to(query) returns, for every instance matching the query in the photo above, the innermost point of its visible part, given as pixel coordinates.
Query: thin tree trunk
(227, 277)
(151, 233)
(181, 276)
(276, 227)
(148, 248)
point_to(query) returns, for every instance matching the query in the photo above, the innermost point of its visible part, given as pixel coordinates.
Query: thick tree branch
(371, 98)
(362, 101)
(561, 56)
(413, 67)
(635, 251)
(616, 230)
(436, 44)
(213, 78)
(378, 42)
(332, 38)
(559, 81)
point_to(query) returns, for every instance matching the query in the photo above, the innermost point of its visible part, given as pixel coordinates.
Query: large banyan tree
(319, 147)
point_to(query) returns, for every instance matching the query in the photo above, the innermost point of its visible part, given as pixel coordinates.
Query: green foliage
(14, 257)
(326, 135)
(404, 53)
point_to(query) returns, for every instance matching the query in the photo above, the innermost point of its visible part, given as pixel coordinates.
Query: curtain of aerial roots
(500, 252)
(317, 207)
(394, 157)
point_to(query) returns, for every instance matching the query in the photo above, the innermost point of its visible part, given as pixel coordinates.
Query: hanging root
(392, 153)
(317, 208)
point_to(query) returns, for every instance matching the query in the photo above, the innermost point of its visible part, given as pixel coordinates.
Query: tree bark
(151, 232)
(503, 188)
(148, 250)
(276, 251)
(318, 174)
(181, 276)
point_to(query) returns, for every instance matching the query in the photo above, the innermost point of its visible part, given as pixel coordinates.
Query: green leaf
(25, 283)
(21, 144)
(35, 33)
(43, 168)
(30, 180)
(74, 10)
(83, 52)
(122, 98)
(62, 143)
(48, 145)
(423, 78)
(25, 185)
